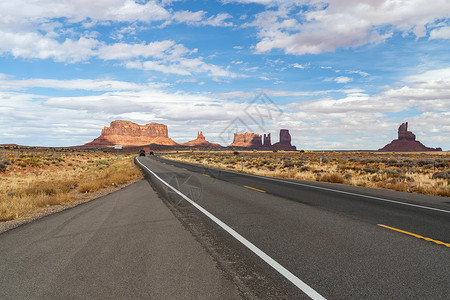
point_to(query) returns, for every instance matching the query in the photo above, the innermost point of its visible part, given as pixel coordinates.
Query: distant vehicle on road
(142, 153)
(151, 153)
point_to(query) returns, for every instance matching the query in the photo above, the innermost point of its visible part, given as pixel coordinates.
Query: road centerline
(249, 187)
(415, 235)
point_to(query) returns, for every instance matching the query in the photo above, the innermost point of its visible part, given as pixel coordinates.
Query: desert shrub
(304, 169)
(348, 176)
(236, 152)
(3, 166)
(288, 164)
(441, 164)
(407, 178)
(333, 177)
(428, 166)
(425, 162)
(370, 160)
(441, 175)
(371, 169)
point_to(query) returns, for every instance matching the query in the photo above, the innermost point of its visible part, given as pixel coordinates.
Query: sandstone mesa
(254, 140)
(200, 141)
(127, 133)
(406, 142)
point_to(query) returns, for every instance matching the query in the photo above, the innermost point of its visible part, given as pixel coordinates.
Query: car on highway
(142, 153)
(151, 153)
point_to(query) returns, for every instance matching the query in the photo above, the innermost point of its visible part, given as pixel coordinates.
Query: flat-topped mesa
(406, 142)
(200, 141)
(127, 133)
(247, 139)
(285, 141)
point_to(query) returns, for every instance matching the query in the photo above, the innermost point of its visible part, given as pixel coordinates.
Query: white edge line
(332, 190)
(282, 270)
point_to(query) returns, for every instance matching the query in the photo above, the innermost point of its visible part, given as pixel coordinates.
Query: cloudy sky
(341, 74)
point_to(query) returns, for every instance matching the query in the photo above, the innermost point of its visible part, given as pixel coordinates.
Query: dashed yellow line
(249, 187)
(185, 169)
(206, 175)
(415, 235)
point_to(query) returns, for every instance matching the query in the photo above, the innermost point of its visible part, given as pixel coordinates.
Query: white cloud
(191, 80)
(182, 66)
(298, 66)
(363, 74)
(30, 30)
(440, 33)
(325, 26)
(10, 84)
(188, 17)
(343, 79)
(35, 45)
(199, 18)
(28, 12)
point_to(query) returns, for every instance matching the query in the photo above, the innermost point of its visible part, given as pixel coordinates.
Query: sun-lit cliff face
(127, 133)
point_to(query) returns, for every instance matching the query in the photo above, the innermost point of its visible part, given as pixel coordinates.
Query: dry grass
(406, 172)
(36, 179)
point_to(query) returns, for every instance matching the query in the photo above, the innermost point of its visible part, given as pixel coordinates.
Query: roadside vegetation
(423, 173)
(36, 179)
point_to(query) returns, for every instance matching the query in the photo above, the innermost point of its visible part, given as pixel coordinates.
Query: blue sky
(339, 75)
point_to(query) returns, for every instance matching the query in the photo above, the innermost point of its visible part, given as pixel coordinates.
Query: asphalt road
(127, 245)
(343, 242)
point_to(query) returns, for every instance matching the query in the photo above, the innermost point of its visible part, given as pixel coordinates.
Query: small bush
(371, 169)
(3, 166)
(441, 175)
(347, 176)
(304, 169)
(333, 177)
(288, 164)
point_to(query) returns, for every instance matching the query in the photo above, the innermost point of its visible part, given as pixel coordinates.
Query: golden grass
(406, 172)
(36, 180)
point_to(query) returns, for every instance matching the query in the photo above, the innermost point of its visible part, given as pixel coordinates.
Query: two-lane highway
(342, 242)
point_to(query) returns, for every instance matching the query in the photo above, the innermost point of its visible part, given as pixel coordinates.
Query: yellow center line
(415, 235)
(184, 169)
(206, 175)
(249, 187)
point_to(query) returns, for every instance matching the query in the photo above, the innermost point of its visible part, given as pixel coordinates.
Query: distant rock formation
(267, 143)
(247, 139)
(285, 141)
(127, 133)
(200, 141)
(406, 142)
(253, 140)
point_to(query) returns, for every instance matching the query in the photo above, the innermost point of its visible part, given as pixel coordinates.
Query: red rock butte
(127, 133)
(406, 142)
(200, 141)
(254, 140)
